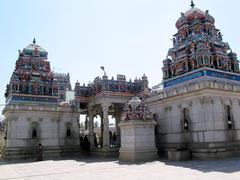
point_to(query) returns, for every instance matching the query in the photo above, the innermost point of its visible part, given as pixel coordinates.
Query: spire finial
(192, 4)
(34, 41)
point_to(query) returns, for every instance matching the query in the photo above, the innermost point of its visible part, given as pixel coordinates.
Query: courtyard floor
(112, 169)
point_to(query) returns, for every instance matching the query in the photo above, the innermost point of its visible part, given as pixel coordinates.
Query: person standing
(39, 152)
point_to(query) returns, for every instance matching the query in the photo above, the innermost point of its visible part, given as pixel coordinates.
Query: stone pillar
(118, 118)
(91, 127)
(106, 141)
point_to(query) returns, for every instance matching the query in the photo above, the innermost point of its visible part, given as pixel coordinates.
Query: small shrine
(137, 133)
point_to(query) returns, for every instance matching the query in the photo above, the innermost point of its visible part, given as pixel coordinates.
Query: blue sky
(128, 37)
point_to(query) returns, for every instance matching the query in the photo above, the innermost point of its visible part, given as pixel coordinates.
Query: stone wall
(208, 134)
(1, 139)
(27, 126)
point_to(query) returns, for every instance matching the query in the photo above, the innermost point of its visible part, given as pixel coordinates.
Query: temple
(195, 108)
(33, 80)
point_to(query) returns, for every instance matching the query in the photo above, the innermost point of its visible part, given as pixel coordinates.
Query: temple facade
(35, 112)
(196, 107)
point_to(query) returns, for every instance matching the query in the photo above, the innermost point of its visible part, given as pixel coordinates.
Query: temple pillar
(105, 120)
(118, 112)
(118, 135)
(91, 127)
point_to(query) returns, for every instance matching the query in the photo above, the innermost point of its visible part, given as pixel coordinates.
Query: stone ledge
(208, 84)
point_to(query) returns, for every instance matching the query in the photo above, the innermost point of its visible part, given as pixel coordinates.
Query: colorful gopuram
(197, 44)
(34, 112)
(116, 87)
(33, 81)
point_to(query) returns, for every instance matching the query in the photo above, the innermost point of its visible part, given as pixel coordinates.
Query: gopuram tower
(198, 109)
(35, 112)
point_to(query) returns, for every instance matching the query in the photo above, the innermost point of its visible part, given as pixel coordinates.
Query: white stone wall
(2, 134)
(73, 119)
(206, 103)
(50, 126)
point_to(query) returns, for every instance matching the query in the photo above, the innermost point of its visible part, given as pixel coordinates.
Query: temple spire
(192, 4)
(34, 41)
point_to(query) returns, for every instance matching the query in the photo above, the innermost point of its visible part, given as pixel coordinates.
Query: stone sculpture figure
(136, 109)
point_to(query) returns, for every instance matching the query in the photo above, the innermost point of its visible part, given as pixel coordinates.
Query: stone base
(138, 156)
(180, 155)
(137, 141)
(202, 151)
(48, 152)
(31, 153)
(215, 155)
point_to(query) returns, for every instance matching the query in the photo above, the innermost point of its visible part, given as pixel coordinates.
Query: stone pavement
(112, 169)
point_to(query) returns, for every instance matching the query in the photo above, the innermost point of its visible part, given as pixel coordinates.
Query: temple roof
(193, 14)
(34, 48)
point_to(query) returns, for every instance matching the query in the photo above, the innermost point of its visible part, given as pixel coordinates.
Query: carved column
(91, 127)
(106, 141)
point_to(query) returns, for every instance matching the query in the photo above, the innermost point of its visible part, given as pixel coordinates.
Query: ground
(112, 169)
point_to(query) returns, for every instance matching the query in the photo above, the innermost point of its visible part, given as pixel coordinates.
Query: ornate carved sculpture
(136, 110)
(197, 38)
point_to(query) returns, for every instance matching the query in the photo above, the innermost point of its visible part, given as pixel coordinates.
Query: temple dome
(34, 49)
(194, 14)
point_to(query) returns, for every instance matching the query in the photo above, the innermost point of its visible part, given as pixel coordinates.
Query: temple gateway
(196, 110)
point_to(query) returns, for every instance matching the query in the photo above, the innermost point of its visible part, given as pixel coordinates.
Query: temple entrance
(99, 131)
(102, 103)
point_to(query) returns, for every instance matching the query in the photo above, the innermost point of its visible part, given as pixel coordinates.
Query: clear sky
(128, 37)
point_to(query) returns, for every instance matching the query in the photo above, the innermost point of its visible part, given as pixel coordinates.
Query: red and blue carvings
(33, 80)
(198, 44)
